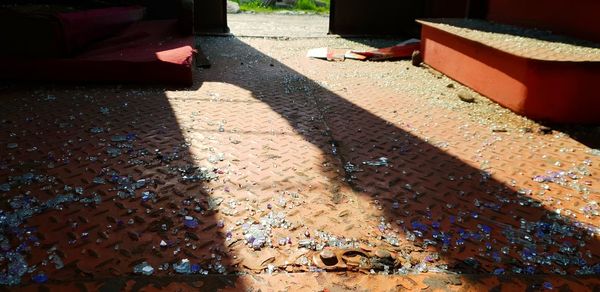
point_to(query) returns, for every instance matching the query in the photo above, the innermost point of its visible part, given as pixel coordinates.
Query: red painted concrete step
(533, 73)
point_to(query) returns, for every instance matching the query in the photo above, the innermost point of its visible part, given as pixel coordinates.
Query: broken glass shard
(5, 187)
(148, 195)
(381, 161)
(113, 152)
(119, 138)
(216, 158)
(350, 168)
(213, 203)
(143, 268)
(183, 267)
(96, 130)
(16, 268)
(40, 278)
(190, 222)
(98, 180)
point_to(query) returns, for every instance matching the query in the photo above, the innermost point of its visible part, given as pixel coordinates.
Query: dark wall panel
(211, 16)
(395, 17)
(381, 17)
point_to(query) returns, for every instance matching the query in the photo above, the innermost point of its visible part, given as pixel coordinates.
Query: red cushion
(34, 34)
(81, 28)
(147, 51)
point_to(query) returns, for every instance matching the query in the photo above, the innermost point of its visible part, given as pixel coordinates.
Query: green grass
(306, 5)
(301, 5)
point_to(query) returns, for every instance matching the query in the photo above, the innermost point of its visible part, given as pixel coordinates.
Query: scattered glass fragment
(350, 168)
(216, 158)
(40, 278)
(190, 222)
(183, 267)
(143, 268)
(213, 203)
(119, 138)
(381, 161)
(15, 269)
(5, 187)
(96, 130)
(113, 152)
(148, 195)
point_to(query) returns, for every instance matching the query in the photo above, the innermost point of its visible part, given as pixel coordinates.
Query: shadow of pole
(101, 184)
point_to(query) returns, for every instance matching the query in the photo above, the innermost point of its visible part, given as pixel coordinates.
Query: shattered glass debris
(216, 158)
(183, 267)
(40, 278)
(256, 235)
(195, 174)
(350, 168)
(381, 161)
(190, 222)
(144, 269)
(412, 216)
(96, 130)
(148, 196)
(16, 267)
(214, 203)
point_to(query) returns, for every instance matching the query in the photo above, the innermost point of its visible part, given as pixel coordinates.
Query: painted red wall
(578, 18)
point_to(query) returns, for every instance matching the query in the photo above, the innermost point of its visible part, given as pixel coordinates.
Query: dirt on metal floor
(284, 172)
(278, 25)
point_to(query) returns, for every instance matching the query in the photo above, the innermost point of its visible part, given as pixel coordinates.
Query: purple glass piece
(190, 223)
(40, 278)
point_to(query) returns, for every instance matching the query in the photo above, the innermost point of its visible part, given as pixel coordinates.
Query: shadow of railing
(439, 203)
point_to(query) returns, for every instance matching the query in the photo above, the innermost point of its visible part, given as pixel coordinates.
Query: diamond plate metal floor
(273, 158)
